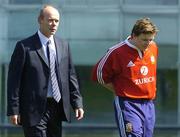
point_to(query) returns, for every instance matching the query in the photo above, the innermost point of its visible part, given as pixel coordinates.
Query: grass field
(98, 134)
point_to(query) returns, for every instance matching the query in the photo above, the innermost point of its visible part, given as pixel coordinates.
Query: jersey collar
(134, 47)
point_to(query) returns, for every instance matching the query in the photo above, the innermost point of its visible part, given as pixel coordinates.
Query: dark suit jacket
(28, 80)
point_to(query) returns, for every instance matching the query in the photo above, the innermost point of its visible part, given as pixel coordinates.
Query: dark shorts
(134, 117)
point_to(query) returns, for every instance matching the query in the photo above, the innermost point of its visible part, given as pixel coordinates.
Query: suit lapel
(41, 54)
(40, 50)
(59, 52)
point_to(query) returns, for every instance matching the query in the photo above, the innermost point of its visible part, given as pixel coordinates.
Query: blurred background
(91, 27)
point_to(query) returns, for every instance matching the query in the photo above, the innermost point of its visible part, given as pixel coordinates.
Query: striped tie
(54, 83)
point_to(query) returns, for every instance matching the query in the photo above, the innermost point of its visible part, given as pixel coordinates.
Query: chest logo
(152, 59)
(144, 70)
(130, 64)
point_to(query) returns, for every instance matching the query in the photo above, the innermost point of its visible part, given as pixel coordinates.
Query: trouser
(50, 124)
(134, 117)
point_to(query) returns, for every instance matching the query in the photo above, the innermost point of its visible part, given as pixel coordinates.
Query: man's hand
(79, 113)
(15, 119)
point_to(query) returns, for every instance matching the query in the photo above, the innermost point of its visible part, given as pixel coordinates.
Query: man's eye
(51, 20)
(147, 40)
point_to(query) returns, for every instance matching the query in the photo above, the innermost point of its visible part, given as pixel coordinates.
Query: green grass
(98, 134)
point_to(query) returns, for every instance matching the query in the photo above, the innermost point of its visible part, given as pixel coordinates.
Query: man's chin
(53, 32)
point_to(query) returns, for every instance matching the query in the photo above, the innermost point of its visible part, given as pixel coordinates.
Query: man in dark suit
(42, 82)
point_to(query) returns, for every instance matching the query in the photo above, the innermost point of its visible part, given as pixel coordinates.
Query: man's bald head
(48, 20)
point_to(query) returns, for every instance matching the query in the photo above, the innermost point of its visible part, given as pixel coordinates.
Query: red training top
(132, 73)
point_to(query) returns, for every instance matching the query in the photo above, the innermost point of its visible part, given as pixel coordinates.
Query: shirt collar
(129, 44)
(43, 38)
(132, 46)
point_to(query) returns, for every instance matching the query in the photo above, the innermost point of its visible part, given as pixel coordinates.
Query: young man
(42, 83)
(129, 70)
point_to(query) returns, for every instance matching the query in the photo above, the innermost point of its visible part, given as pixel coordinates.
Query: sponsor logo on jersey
(130, 64)
(144, 80)
(144, 70)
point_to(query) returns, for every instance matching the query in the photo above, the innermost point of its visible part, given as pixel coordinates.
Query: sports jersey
(131, 71)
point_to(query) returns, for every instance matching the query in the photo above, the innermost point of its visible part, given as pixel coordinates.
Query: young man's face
(143, 40)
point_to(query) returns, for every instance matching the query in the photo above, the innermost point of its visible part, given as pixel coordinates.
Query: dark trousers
(50, 124)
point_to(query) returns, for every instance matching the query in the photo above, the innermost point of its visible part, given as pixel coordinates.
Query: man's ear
(132, 35)
(39, 20)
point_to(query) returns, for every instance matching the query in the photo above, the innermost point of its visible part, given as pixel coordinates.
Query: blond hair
(144, 26)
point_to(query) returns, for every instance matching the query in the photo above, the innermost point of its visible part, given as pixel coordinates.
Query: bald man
(42, 83)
